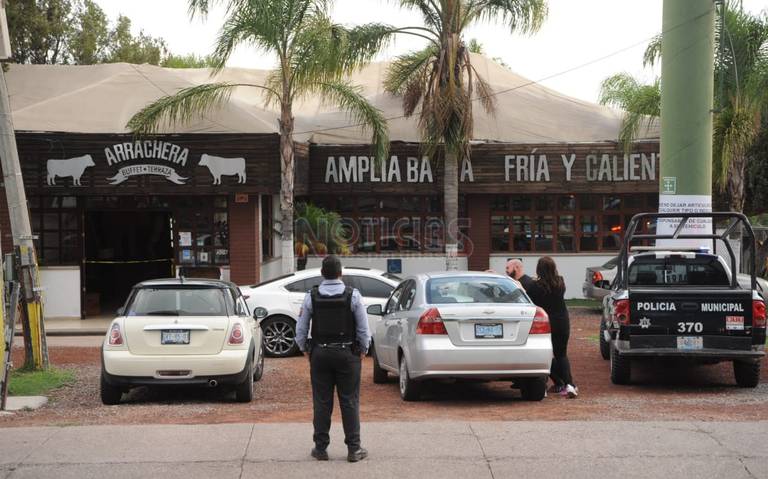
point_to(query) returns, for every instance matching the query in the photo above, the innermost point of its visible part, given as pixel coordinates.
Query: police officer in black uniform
(338, 340)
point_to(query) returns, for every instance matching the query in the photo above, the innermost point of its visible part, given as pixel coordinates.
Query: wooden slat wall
(488, 165)
(261, 153)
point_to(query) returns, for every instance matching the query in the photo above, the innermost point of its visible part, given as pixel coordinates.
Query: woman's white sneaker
(571, 391)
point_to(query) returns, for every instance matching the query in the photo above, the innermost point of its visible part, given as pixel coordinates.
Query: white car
(182, 332)
(279, 301)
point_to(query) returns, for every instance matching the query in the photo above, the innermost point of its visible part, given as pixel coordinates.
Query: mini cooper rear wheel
(244, 390)
(110, 395)
(258, 371)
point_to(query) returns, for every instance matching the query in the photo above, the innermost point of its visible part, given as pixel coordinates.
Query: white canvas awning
(102, 98)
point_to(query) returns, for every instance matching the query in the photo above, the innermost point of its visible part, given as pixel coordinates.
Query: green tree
(313, 55)
(88, 42)
(741, 86)
(124, 47)
(440, 82)
(188, 61)
(39, 30)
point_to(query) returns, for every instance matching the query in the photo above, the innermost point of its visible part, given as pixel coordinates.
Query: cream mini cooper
(175, 332)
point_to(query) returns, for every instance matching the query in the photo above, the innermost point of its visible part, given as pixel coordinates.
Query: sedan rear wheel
(280, 336)
(410, 390)
(533, 389)
(379, 373)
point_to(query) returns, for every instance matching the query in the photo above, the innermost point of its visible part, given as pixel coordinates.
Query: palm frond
(408, 68)
(430, 12)
(652, 52)
(485, 93)
(322, 50)
(521, 16)
(186, 105)
(641, 104)
(350, 99)
(202, 7)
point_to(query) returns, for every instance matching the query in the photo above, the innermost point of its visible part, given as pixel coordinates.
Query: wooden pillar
(244, 240)
(479, 212)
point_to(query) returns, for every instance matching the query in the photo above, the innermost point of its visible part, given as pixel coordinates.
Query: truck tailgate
(707, 313)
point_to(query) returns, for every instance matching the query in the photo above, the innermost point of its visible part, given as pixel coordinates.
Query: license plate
(489, 331)
(690, 343)
(174, 336)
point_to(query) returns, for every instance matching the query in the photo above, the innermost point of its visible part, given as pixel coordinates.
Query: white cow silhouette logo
(74, 167)
(219, 166)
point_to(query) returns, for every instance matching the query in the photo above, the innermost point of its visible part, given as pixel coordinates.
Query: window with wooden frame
(55, 220)
(267, 228)
(202, 231)
(393, 223)
(563, 223)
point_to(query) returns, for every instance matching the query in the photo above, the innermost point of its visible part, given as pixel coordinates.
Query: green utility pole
(687, 95)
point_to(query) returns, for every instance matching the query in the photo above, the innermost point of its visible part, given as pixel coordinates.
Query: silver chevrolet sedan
(461, 325)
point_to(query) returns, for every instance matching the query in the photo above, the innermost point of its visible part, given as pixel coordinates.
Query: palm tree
(440, 82)
(741, 86)
(313, 55)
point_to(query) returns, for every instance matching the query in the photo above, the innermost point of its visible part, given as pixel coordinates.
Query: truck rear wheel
(621, 368)
(605, 346)
(747, 373)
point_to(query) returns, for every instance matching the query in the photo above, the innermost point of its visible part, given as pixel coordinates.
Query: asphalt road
(476, 450)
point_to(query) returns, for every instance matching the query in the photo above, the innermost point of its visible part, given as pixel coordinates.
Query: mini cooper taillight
(541, 322)
(431, 323)
(236, 336)
(115, 335)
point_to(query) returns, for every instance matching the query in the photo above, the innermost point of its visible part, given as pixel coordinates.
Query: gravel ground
(660, 392)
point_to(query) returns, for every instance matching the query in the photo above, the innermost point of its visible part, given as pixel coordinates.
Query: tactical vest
(332, 318)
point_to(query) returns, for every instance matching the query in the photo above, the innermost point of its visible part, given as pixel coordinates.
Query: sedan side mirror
(120, 311)
(375, 310)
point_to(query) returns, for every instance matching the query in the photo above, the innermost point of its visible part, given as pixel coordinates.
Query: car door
(372, 291)
(297, 290)
(247, 316)
(384, 343)
(400, 327)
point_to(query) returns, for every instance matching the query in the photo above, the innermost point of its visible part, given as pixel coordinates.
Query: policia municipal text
(339, 339)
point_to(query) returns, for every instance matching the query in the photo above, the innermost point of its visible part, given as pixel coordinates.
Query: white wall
(271, 269)
(411, 264)
(571, 266)
(61, 293)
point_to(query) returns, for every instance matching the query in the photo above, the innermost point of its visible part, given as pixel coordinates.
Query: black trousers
(561, 366)
(340, 369)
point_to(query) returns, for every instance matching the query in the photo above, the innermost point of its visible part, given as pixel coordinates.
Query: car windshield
(700, 271)
(474, 289)
(180, 302)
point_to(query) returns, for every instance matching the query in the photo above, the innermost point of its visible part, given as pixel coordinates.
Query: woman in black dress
(548, 292)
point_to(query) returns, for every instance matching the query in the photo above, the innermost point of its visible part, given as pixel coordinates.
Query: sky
(581, 43)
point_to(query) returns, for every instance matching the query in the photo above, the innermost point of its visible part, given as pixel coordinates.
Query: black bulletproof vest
(332, 318)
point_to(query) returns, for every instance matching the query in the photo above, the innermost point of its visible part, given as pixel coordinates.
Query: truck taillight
(597, 276)
(236, 336)
(540, 322)
(758, 313)
(621, 312)
(116, 336)
(431, 323)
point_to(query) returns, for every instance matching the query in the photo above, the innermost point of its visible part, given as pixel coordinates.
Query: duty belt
(335, 345)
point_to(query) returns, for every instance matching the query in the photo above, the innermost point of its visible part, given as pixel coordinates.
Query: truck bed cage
(735, 219)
